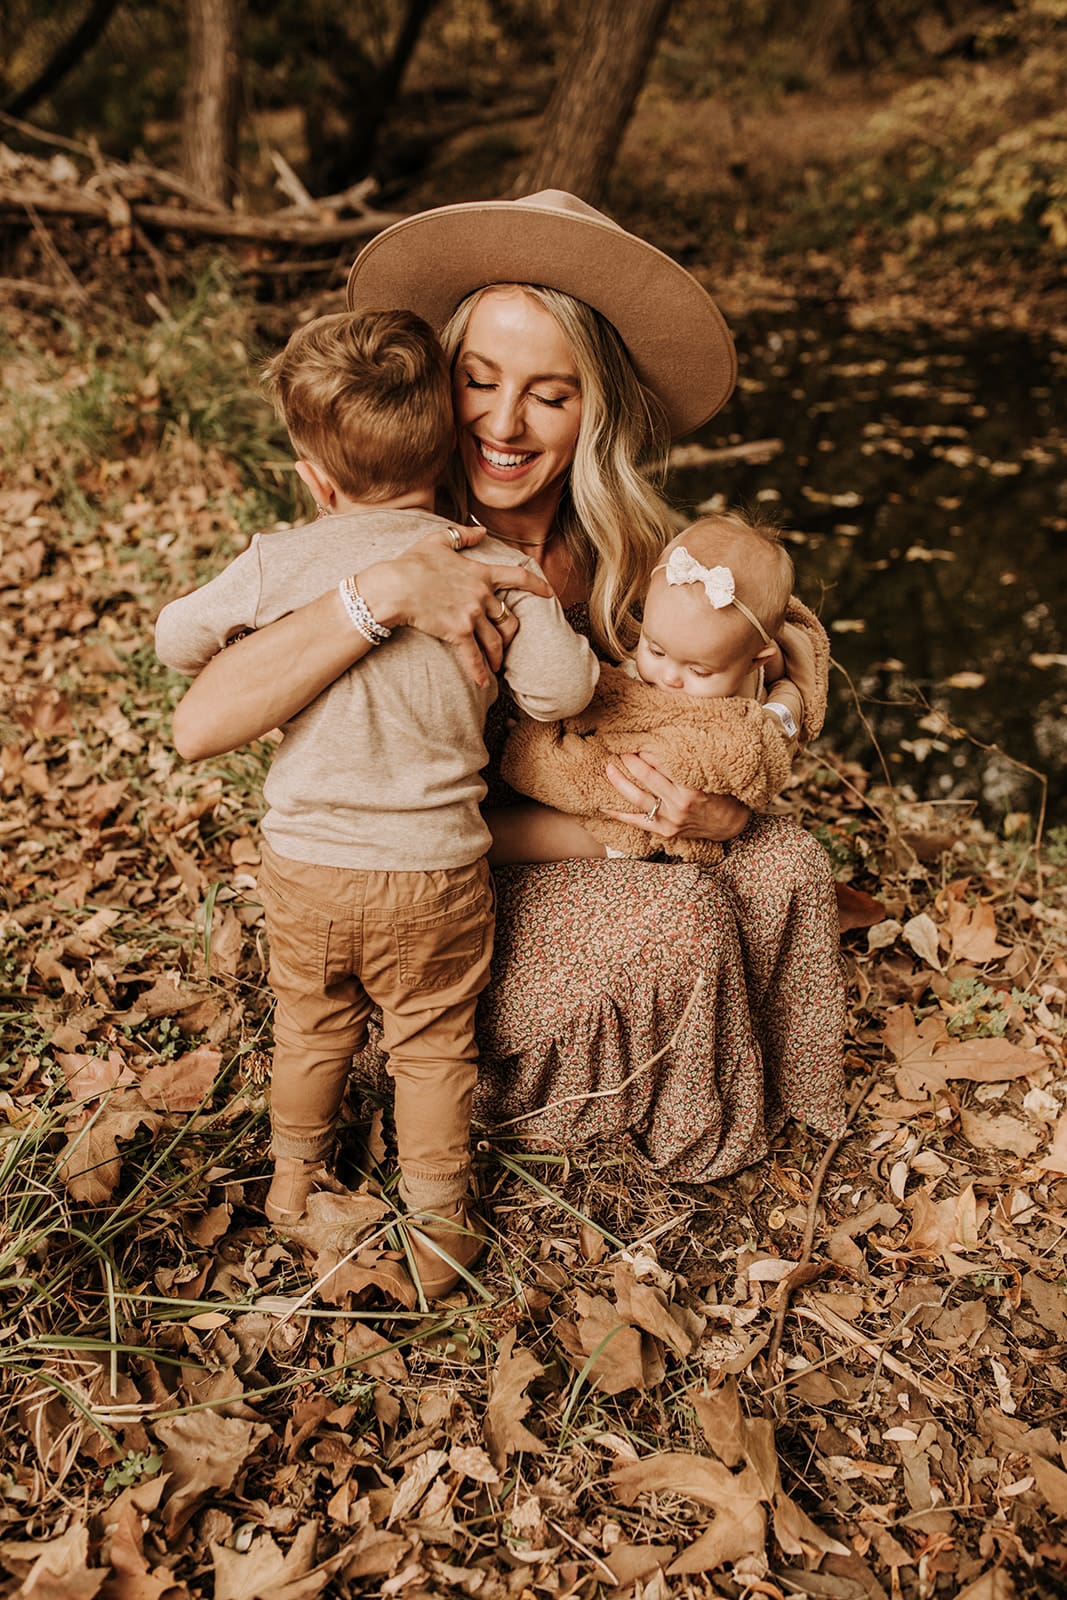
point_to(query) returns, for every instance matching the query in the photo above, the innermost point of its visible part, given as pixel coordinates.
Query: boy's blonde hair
(367, 397)
(754, 552)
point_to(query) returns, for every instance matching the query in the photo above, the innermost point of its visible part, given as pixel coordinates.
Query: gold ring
(505, 611)
(455, 538)
(653, 812)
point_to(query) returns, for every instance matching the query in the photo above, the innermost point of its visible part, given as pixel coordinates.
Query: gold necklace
(524, 544)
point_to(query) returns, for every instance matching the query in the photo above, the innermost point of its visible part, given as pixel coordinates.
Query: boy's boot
(442, 1235)
(294, 1180)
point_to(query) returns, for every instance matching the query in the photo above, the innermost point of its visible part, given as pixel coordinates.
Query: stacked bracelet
(360, 614)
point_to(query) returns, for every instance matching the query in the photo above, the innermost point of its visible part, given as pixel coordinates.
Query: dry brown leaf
(504, 1432)
(266, 1573)
(1049, 1302)
(375, 1357)
(647, 1307)
(799, 1536)
(203, 1452)
(1052, 1482)
(722, 1422)
(89, 1076)
(89, 1164)
(996, 1584)
(1056, 1160)
(998, 1133)
(945, 1227)
(921, 933)
(418, 1476)
(740, 1525)
(610, 1350)
(61, 1571)
(972, 929)
(841, 1246)
(929, 1056)
(632, 1562)
(855, 909)
(334, 1229)
(472, 1462)
(182, 1084)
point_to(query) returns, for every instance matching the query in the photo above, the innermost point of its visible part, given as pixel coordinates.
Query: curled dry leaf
(855, 909)
(608, 1349)
(921, 933)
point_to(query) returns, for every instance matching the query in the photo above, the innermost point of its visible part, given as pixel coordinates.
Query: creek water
(920, 477)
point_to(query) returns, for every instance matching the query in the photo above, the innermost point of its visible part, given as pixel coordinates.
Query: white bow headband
(718, 582)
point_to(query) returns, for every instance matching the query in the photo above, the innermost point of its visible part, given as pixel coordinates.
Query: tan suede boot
(293, 1181)
(442, 1241)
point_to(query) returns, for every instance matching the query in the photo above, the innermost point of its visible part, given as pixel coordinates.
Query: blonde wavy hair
(612, 515)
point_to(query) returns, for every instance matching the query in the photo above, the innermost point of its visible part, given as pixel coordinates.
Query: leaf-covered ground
(840, 1373)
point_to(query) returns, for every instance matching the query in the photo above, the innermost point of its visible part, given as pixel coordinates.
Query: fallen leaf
(204, 1452)
(921, 933)
(182, 1084)
(998, 1133)
(1052, 1481)
(855, 909)
(61, 1571)
(973, 931)
(1056, 1160)
(504, 1431)
(264, 1572)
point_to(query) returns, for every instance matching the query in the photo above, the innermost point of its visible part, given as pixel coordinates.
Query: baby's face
(687, 647)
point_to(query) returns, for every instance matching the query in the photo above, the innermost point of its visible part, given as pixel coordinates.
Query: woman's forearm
(265, 679)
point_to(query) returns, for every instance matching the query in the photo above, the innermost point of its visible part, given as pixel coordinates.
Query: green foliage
(185, 386)
(976, 149)
(135, 1466)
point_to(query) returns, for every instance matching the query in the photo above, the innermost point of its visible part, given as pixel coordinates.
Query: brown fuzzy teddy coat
(729, 746)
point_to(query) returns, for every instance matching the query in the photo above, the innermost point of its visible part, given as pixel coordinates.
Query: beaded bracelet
(360, 614)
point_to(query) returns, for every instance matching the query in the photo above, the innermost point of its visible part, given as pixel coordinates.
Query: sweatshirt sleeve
(192, 629)
(550, 669)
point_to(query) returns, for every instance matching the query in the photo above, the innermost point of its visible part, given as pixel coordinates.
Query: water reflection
(923, 476)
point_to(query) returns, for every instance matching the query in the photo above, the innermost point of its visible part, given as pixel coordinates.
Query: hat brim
(672, 328)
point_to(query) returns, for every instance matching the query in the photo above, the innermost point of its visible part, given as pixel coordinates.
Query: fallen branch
(284, 229)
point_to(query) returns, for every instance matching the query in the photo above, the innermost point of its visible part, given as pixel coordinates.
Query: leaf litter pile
(840, 1373)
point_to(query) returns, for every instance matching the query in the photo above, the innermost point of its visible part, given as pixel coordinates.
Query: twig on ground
(792, 1282)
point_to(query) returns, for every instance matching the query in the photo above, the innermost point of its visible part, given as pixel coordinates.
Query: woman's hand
(456, 600)
(267, 678)
(671, 810)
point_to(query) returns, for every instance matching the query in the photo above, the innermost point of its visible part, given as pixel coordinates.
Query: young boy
(694, 695)
(374, 880)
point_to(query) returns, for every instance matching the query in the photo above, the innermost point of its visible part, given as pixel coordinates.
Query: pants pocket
(436, 951)
(298, 937)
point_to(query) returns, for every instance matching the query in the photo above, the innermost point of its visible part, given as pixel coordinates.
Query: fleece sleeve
(192, 629)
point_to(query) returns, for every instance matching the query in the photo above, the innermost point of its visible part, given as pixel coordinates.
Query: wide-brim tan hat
(674, 331)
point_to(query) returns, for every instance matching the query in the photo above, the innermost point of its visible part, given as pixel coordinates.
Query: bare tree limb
(68, 55)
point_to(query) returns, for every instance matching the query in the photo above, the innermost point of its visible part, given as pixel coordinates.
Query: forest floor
(838, 1374)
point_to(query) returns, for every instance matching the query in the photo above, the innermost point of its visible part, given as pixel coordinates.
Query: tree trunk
(595, 96)
(209, 125)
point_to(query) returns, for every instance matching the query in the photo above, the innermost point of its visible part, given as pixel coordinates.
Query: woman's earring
(320, 511)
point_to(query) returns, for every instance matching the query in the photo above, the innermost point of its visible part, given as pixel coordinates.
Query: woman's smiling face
(518, 408)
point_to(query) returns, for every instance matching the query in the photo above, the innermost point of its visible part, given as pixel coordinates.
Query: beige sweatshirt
(382, 771)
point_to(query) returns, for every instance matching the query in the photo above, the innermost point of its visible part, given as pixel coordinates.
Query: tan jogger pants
(418, 944)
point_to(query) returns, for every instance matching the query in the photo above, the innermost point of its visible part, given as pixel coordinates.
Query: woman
(691, 1010)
